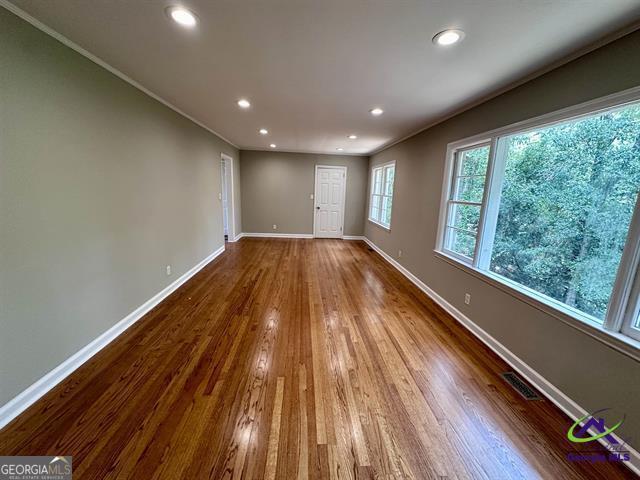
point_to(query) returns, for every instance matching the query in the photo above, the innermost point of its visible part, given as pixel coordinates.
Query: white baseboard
(26, 398)
(562, 401)
(292, 235)
(238, 237)
(276, 235)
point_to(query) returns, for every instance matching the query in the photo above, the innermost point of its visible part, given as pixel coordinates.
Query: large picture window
(548, 210)
(381, 199)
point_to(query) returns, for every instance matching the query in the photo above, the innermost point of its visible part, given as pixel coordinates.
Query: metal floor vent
(521, 386)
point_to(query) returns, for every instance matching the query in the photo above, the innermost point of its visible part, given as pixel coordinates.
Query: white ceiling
(312, 69)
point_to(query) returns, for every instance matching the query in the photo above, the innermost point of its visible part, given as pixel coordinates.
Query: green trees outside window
(556, 215)
(566, 203)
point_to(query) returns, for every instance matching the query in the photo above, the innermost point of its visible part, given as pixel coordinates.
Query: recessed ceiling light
(448, 37)
(376, 111)
(352, 137)
(340, 149)
(273, 145)
(264, 131)
(244, 103)
(182, 16)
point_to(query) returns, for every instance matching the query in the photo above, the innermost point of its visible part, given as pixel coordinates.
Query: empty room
(319, 239)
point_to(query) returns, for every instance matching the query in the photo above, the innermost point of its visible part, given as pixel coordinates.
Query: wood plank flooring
(297, 359)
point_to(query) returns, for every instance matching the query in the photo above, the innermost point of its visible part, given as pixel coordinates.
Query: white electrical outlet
(399, 253)
(467, 298)
(311, 196)
(275, 227)
(168, 269)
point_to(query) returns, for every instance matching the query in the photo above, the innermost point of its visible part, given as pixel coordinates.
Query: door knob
(317, 208)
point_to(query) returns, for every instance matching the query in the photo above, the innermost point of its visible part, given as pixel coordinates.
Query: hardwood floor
(298, 359)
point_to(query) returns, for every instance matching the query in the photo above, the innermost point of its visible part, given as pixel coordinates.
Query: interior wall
(101, 187)
(591, 373)
(276, 186)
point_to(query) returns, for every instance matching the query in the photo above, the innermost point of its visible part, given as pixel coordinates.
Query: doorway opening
(226, 197)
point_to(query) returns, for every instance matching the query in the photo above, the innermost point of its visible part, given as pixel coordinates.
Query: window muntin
(556, 212)
(465, 202)
(381, 201)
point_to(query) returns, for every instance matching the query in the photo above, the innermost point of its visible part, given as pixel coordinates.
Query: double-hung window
(381, 198)
(549, 208)
(465, 202)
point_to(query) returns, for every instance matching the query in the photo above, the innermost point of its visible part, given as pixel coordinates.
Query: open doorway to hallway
(226, 174)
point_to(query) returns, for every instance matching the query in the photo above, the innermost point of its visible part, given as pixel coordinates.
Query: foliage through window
(566, 203)
(555, 217)
(382, 194)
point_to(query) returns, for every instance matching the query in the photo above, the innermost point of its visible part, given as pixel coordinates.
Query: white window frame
(384, 167)
(627, 287)
(624, 306)
(451, 201)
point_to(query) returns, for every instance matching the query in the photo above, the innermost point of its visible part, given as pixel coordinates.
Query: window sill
(615, 340)
(377, 224)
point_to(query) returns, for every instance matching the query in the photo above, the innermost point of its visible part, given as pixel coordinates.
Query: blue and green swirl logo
(593, 423)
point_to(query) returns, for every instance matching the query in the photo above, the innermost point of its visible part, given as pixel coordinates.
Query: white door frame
(230, 201)
(344, 196)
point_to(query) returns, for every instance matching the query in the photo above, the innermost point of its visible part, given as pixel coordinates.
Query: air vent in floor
(521, 386)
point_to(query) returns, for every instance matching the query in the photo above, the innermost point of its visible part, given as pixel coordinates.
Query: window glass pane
(377, 181)
(465, 217)
(461, 242)
(388, 211)
(636, 324)
(375, 213)
(388, 188)
(375, 207)
(469, 189)
(567, 198)
(385, 214)
(469, 182)
(474, 161)
(462, 229)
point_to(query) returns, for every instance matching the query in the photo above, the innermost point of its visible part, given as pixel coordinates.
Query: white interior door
(329, 201)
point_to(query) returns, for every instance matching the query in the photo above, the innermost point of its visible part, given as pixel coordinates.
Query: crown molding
(601, 42)
(85, 53)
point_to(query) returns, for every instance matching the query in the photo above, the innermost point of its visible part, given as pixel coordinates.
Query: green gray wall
(101, 187)
(591, 373)
(276, 186)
